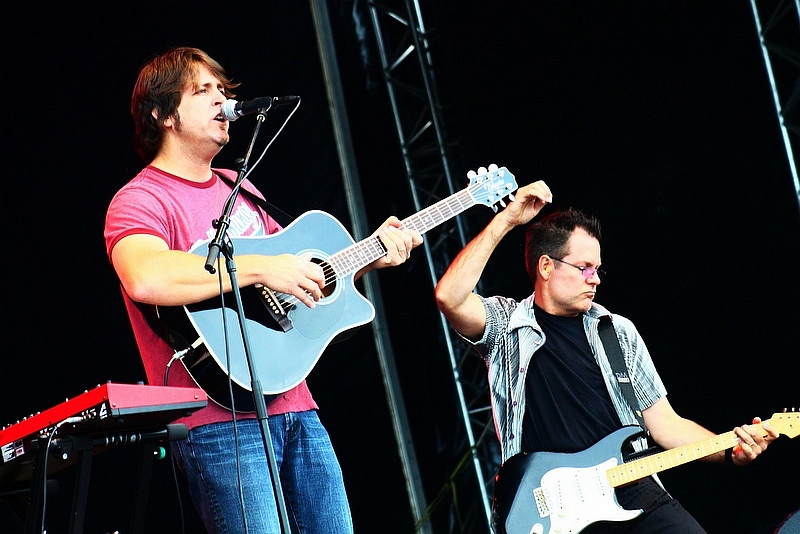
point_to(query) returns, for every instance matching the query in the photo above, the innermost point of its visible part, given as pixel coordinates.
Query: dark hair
(550, 236)
(158, 88)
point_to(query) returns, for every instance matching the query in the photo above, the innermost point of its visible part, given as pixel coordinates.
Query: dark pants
(663, 514)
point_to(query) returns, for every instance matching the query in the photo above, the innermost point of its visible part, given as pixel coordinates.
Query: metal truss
(403, 44)
(778, 25)
(407, 67)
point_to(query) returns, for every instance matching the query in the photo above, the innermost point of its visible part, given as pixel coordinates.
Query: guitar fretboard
(364, 252)
(643, 467)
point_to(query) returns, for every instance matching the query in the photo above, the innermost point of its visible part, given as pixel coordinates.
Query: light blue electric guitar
(552, 493)
(287, 337)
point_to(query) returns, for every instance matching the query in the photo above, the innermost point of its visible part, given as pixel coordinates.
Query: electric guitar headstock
(491, 186)
(786, 423)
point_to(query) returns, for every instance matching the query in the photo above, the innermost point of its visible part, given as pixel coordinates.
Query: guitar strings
(328, 270)
(410, 222)
(291, 300)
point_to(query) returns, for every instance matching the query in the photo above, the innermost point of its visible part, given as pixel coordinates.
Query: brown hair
(158, 88)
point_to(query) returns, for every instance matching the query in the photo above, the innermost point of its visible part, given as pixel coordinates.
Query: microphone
(232, 109)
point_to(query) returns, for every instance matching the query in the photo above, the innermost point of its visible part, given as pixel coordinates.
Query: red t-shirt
(181, 213)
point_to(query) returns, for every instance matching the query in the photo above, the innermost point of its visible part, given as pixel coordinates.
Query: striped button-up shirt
(511, 338)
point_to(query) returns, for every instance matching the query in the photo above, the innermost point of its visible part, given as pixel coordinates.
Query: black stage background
(655, 116)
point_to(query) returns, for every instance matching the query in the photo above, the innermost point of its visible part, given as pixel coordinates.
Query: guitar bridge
(275, 309)
(541, 502)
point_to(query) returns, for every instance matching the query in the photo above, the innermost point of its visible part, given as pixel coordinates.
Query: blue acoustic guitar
(287, 337)
(549, 493)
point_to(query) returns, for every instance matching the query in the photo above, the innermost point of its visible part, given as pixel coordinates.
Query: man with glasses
(551, 385)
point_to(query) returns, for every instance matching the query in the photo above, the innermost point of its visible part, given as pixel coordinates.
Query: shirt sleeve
(498, 311)
(135, 211)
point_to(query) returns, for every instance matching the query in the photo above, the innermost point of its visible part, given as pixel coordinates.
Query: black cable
(44, 465)
(172, 461)
(237, 453)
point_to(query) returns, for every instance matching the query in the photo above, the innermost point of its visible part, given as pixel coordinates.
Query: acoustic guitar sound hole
(330, 277)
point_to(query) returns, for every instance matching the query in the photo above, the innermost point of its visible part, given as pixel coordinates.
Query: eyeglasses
(587, 272)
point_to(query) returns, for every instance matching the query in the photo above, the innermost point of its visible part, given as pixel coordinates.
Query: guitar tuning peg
(482, 170)
(502, 203)
(471, 174)
(511, 197)
(494, 208)
(493, 167)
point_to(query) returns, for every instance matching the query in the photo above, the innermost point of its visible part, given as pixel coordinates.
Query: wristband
(729, 456)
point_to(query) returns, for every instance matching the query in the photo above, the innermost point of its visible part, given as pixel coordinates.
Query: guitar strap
(155, 316)
(275, 212)
(614, 353)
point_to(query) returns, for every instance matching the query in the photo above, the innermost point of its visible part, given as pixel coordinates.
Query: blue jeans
(310, 476)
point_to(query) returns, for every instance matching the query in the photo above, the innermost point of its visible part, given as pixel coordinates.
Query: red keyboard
(106, 408)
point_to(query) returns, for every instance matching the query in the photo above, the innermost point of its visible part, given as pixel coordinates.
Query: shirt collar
(523, 316)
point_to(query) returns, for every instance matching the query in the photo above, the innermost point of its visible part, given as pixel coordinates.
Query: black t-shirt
(568, 408)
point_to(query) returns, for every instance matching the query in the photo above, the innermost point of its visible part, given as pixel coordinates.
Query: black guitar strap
(617, 361)
(275, 212)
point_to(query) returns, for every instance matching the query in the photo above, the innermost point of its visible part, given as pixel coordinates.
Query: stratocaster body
(551, 492)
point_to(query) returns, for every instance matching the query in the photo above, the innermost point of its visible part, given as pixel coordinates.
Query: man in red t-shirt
(151, 225)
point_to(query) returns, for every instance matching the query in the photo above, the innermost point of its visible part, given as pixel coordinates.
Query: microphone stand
(222, 244)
